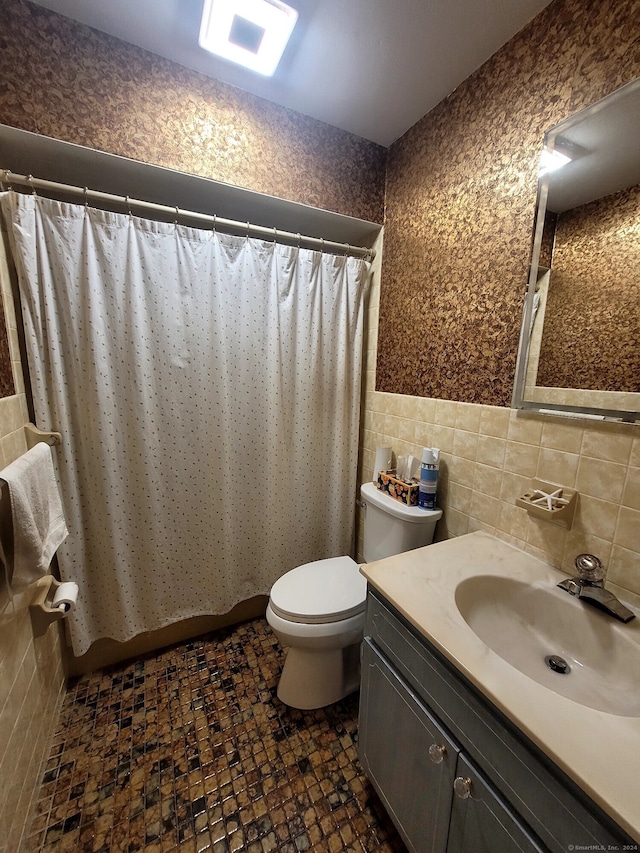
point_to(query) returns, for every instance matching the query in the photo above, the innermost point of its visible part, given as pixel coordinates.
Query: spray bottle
(428, 478)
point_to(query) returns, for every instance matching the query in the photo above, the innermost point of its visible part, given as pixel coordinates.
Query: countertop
(598, 750)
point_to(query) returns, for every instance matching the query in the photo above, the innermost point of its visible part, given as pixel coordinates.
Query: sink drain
(557, 664)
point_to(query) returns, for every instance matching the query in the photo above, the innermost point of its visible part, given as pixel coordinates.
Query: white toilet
(317, 610)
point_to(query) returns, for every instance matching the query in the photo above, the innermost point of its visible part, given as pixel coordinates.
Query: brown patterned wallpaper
(461, 192)
(593, 300)
(65, 80)
(7, 385)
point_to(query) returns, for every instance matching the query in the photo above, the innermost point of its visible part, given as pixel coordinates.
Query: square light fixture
(253, 33)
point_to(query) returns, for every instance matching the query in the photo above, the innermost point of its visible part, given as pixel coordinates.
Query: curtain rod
(245, 228)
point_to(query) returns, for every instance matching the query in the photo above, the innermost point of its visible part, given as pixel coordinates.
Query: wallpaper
(7, 385)
(592, 323)
(460, 203)
(65, 80)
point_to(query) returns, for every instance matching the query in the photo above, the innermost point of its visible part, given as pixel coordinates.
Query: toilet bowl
(317, 610)
(317, 613)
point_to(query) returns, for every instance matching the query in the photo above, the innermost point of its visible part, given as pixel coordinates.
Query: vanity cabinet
(422, 775)
(453, 773)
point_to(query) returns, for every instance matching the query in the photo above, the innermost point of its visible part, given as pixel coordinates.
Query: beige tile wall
(31, 671)
(489, 456)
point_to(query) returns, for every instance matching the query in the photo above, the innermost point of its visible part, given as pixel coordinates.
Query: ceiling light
(551, 159)
(252, 33)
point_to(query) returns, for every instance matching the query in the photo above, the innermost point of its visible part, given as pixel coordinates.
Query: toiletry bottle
(428, 478)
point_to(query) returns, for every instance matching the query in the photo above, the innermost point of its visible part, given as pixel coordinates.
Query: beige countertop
(600, 751)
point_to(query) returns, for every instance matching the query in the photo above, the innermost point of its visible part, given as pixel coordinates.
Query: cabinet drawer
(552, 805)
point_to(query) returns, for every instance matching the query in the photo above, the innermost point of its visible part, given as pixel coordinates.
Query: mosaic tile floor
(190, 750)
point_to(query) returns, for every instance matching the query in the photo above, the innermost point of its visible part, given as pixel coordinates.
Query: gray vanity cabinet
(436, 798)
(454, 774)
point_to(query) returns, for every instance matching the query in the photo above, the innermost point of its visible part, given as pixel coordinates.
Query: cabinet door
(481, 822)
(406, 755)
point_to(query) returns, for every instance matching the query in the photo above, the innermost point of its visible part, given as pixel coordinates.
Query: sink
(557, 640)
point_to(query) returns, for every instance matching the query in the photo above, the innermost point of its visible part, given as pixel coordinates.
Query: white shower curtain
(207, 390)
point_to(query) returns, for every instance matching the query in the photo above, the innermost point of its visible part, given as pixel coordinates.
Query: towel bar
(34, 435)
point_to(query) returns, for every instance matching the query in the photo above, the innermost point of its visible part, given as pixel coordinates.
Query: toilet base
(315, 678)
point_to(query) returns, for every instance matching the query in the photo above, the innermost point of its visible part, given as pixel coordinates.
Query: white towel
(39, 526)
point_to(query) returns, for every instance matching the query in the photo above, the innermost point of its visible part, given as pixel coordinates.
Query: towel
(38, 522)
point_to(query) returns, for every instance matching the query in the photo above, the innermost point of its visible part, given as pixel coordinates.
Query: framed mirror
(580, 339)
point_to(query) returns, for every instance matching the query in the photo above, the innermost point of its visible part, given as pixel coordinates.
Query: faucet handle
(590, 568)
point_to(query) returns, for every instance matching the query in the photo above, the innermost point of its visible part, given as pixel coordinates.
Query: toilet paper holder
(42, 601)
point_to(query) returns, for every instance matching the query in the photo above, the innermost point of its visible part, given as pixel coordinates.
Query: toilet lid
(322, 591)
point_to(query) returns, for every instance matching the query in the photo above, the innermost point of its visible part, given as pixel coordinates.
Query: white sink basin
(526, 624)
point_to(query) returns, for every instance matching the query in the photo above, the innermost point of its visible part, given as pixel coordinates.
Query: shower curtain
(207, 390)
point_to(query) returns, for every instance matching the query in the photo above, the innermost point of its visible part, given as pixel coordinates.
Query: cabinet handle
(437, 753)
(462, 787)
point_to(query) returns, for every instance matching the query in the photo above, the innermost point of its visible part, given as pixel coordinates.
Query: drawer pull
(462, 787)
(437, 753)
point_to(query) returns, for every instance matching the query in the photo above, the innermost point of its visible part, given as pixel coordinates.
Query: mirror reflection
(580, 345)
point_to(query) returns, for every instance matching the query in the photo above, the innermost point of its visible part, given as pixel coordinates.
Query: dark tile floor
(191, 750)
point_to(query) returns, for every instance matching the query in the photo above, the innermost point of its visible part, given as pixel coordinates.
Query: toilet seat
(320, 592)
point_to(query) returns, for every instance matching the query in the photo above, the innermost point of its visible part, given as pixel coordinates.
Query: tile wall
(31, 671)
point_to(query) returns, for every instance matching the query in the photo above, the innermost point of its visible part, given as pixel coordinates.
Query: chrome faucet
(589, 587)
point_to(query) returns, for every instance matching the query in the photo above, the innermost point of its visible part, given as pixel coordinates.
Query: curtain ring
(298, 239)
(248, 229)
(33, 189)
(322, 245)
(128, 205)
(175, 221)
(86, 197)
(7, 179)
(214, 222)
(275, 236)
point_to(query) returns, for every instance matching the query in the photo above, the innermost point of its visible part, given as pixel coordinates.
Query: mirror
(580, 339)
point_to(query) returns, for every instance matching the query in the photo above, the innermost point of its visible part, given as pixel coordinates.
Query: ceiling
(370, 67)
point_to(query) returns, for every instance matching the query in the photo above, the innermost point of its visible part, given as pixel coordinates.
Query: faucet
(589, 587)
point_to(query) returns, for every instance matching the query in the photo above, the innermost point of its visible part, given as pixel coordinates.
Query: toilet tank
(391, 527)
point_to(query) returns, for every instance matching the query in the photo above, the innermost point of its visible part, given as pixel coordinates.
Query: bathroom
(474, 158)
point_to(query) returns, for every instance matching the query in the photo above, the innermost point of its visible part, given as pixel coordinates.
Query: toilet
(317, 610)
